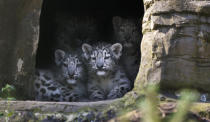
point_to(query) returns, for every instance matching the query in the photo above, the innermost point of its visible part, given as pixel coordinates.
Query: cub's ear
(59, 56)
(117, 50)
(87, 49)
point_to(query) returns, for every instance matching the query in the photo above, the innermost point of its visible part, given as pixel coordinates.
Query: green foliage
(1, 114)
(8, 114)
(149, 106)
(7, 92)
(184, 104)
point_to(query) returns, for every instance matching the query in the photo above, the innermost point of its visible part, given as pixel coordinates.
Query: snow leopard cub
(106, 79)
(65, 82)
(127, 32)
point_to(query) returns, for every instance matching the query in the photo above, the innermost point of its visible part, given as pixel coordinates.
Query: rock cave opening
(70, 23)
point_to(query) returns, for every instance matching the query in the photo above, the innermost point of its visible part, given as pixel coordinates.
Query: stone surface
(175, 47)
(19, 33)
(52, 107)
(114, 111)
(56, 111)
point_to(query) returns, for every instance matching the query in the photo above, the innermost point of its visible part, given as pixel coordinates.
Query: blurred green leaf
(10, 114)
(7, 92)
(8, 88)
(11, 98)
(1, 114)
(149, 105)
(184, 104)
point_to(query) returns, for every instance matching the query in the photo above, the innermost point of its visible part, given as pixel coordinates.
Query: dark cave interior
(103, 11)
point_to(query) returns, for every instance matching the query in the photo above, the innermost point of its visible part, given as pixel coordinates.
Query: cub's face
(102, 59)
(70, 67)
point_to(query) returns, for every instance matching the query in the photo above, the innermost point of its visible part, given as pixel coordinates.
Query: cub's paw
(114, 93)
(73, 97)
(97, 95)
(117, 92)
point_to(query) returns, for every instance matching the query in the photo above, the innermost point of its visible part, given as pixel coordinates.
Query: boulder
(19, 34)
(175, 46)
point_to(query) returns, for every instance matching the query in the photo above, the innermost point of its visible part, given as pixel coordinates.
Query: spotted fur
(106, 79)
(65, 82)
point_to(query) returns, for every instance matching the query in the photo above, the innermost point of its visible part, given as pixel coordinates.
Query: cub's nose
(71, 74)
(100, 65)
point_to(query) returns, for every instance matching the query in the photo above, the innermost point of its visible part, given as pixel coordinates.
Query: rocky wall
(175, 46)
(19, 33)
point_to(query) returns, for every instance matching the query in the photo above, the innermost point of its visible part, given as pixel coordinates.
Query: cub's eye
(77, 61)
(65, 64)
(107, 57)
(93, 58)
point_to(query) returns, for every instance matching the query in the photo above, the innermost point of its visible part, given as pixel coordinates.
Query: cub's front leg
(74, 97)
(95, 93)
(120, 89)
(70, 95)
